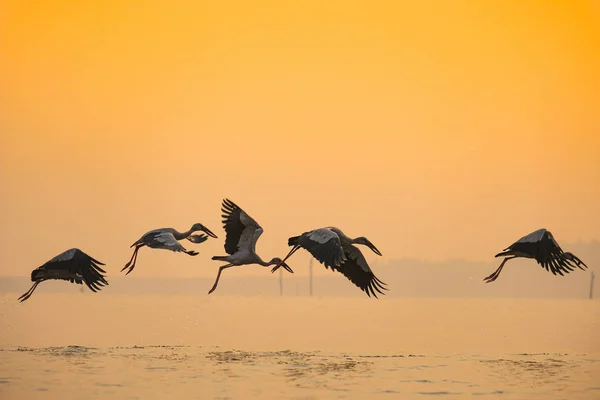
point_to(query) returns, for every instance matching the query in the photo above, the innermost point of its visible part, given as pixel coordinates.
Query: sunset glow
(437, 129)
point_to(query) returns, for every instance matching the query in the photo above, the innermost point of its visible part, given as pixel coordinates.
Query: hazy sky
(437, 129)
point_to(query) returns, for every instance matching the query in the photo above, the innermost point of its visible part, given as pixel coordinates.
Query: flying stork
(72, 265)
(167, 238)
(332, 248)
(541, 246)
(240, 242)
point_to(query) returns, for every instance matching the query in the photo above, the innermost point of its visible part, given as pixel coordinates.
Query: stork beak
(209, 233)
(375, 250)
(275, 268)
(287, 267)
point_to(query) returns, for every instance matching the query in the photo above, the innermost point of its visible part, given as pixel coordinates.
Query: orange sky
(437, 129)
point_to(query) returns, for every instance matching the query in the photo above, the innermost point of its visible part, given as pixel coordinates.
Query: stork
(240, 242)
(167, 238)
(72, 265)
(541, 246)
(332, 248)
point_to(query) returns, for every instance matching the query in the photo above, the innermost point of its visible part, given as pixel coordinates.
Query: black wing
(529, 244)
(323, 244)
(357, 270)
(550, 256)
(91, 272)
(235, 220)
(75, 266)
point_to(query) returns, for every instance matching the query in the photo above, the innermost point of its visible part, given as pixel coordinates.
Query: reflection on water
(201, 372)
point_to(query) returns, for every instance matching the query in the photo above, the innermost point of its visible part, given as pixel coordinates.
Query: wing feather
(357, 270)
(75, 266)
(242, 231)
(324, 245)
(166, 240)
(551, 257)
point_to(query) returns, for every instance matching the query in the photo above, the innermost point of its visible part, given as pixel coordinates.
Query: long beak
(287, 267)
(375, 250)
(282, 262)
(209, 233)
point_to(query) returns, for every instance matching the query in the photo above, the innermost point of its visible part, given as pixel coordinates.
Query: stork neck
(183, 235)
(260, 261)
(341, 235)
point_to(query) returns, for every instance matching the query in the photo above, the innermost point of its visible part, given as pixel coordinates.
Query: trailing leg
(28, 294)
(496, 273)
(133, 259)
(219, 276)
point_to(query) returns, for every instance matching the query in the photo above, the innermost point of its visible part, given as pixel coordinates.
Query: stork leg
(134, 263)
(219, 276)
(294, 249)
(132, 260)
(496, 273)
(28, 294)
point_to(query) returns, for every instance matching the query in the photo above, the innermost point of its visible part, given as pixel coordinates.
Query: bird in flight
(332, 248)
(541, 246)
(167, 238)
(240, 242)
(72, 265)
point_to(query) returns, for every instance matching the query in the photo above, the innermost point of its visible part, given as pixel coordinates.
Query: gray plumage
(167, 238)
(242, 233)
(72, 265)
(541, 246)
(332, 248)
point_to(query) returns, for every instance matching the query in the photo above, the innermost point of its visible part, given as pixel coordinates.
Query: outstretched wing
(77, 267)
(90, 269)
(528, 244)
(149, 236)
(357, 270)
(166, 240)
(533, 237)
(242, 231)
(323, 244)
(550, 256)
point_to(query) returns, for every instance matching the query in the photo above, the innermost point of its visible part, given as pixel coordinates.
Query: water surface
(76, 346)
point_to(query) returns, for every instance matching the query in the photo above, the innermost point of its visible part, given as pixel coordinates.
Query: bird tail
(293, 241)
(220, 258)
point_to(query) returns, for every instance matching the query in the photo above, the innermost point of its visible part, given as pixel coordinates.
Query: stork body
(167, 238)
(242, 233)
(72, 265)
(332, 248)
(541, 246)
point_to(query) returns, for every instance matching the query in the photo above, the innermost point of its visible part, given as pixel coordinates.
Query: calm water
(75, 346)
